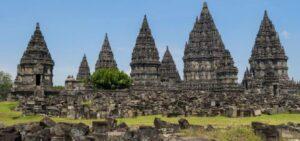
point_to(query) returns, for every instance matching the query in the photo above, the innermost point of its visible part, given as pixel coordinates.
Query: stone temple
(145, 59)
(207, 64)
(84, 70)
(168, 71)
(106, 56)
(268, 63)
(36, 66)
(209, 86)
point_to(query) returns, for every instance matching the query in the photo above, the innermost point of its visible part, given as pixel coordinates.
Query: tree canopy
(110, 79)
(5, 84)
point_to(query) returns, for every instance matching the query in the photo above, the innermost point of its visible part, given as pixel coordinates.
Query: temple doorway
(275, 88)
(38, 79)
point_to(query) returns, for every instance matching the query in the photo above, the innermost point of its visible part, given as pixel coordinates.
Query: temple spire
(266, 15)
(106, 56)
(268, 52)
(145, 24)
(37, 26)
(205, 14)
(84, 70)
(168, 70)
(145, 59)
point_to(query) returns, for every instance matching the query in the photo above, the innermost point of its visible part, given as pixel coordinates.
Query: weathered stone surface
(106, 56)
(268, 63)
(269, 133)
(48, 122)
(207, 64)
(232, 111)
(168, 71)
(36, 66)
(84, 70)
(10, 134)
(209, 128)
(183, 123)
(100, 126)
(145, 59)
(79, 130)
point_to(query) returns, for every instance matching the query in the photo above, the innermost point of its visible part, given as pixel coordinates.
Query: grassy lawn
(10, 117)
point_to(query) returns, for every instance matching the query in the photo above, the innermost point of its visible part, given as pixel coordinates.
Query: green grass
(10, 117)
(240, 133)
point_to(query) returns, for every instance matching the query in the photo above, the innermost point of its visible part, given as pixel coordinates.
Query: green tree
(5, 84)
(110, 79)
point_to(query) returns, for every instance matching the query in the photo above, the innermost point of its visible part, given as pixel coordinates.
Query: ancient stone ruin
(35, 70)
(209, 86)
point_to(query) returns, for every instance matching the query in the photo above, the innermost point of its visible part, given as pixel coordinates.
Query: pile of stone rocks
(290, 131)
(127, 103)
(108, 130)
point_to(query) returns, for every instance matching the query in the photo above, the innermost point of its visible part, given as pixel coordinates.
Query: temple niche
(145, 59)
(35, 70)
(268, 72)
(208, 66)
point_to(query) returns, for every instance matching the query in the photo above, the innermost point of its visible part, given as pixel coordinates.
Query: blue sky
(74, 27)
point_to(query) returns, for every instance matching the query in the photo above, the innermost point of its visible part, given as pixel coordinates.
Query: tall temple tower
(204, 56)
(106, 56)
(84, 70)
(145, 59)
(268, 62)
(36, 66)
(168, 70)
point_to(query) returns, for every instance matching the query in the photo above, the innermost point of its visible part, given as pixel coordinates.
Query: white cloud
(285, 34)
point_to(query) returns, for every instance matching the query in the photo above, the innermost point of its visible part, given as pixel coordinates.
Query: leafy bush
(58, 87)
(5, 84)
(110, 79)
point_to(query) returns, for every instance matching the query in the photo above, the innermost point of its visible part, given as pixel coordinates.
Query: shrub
(110, 79)
(58, 87)
(5, 84)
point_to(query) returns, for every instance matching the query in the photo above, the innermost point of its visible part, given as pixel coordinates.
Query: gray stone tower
(145, 59)
(106, 56)
(268, 62)
(84, 70)
(204, 56)
(36, 66)
(168, 70)
(227, 74)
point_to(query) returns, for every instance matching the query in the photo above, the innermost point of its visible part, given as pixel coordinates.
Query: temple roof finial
(145, 24)
(106, 41)
(205, 4)
(37, 27)
(266, 14)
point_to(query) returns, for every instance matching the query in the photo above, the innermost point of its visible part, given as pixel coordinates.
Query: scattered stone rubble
(290, 131)
(109, 130)
(127, 103)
